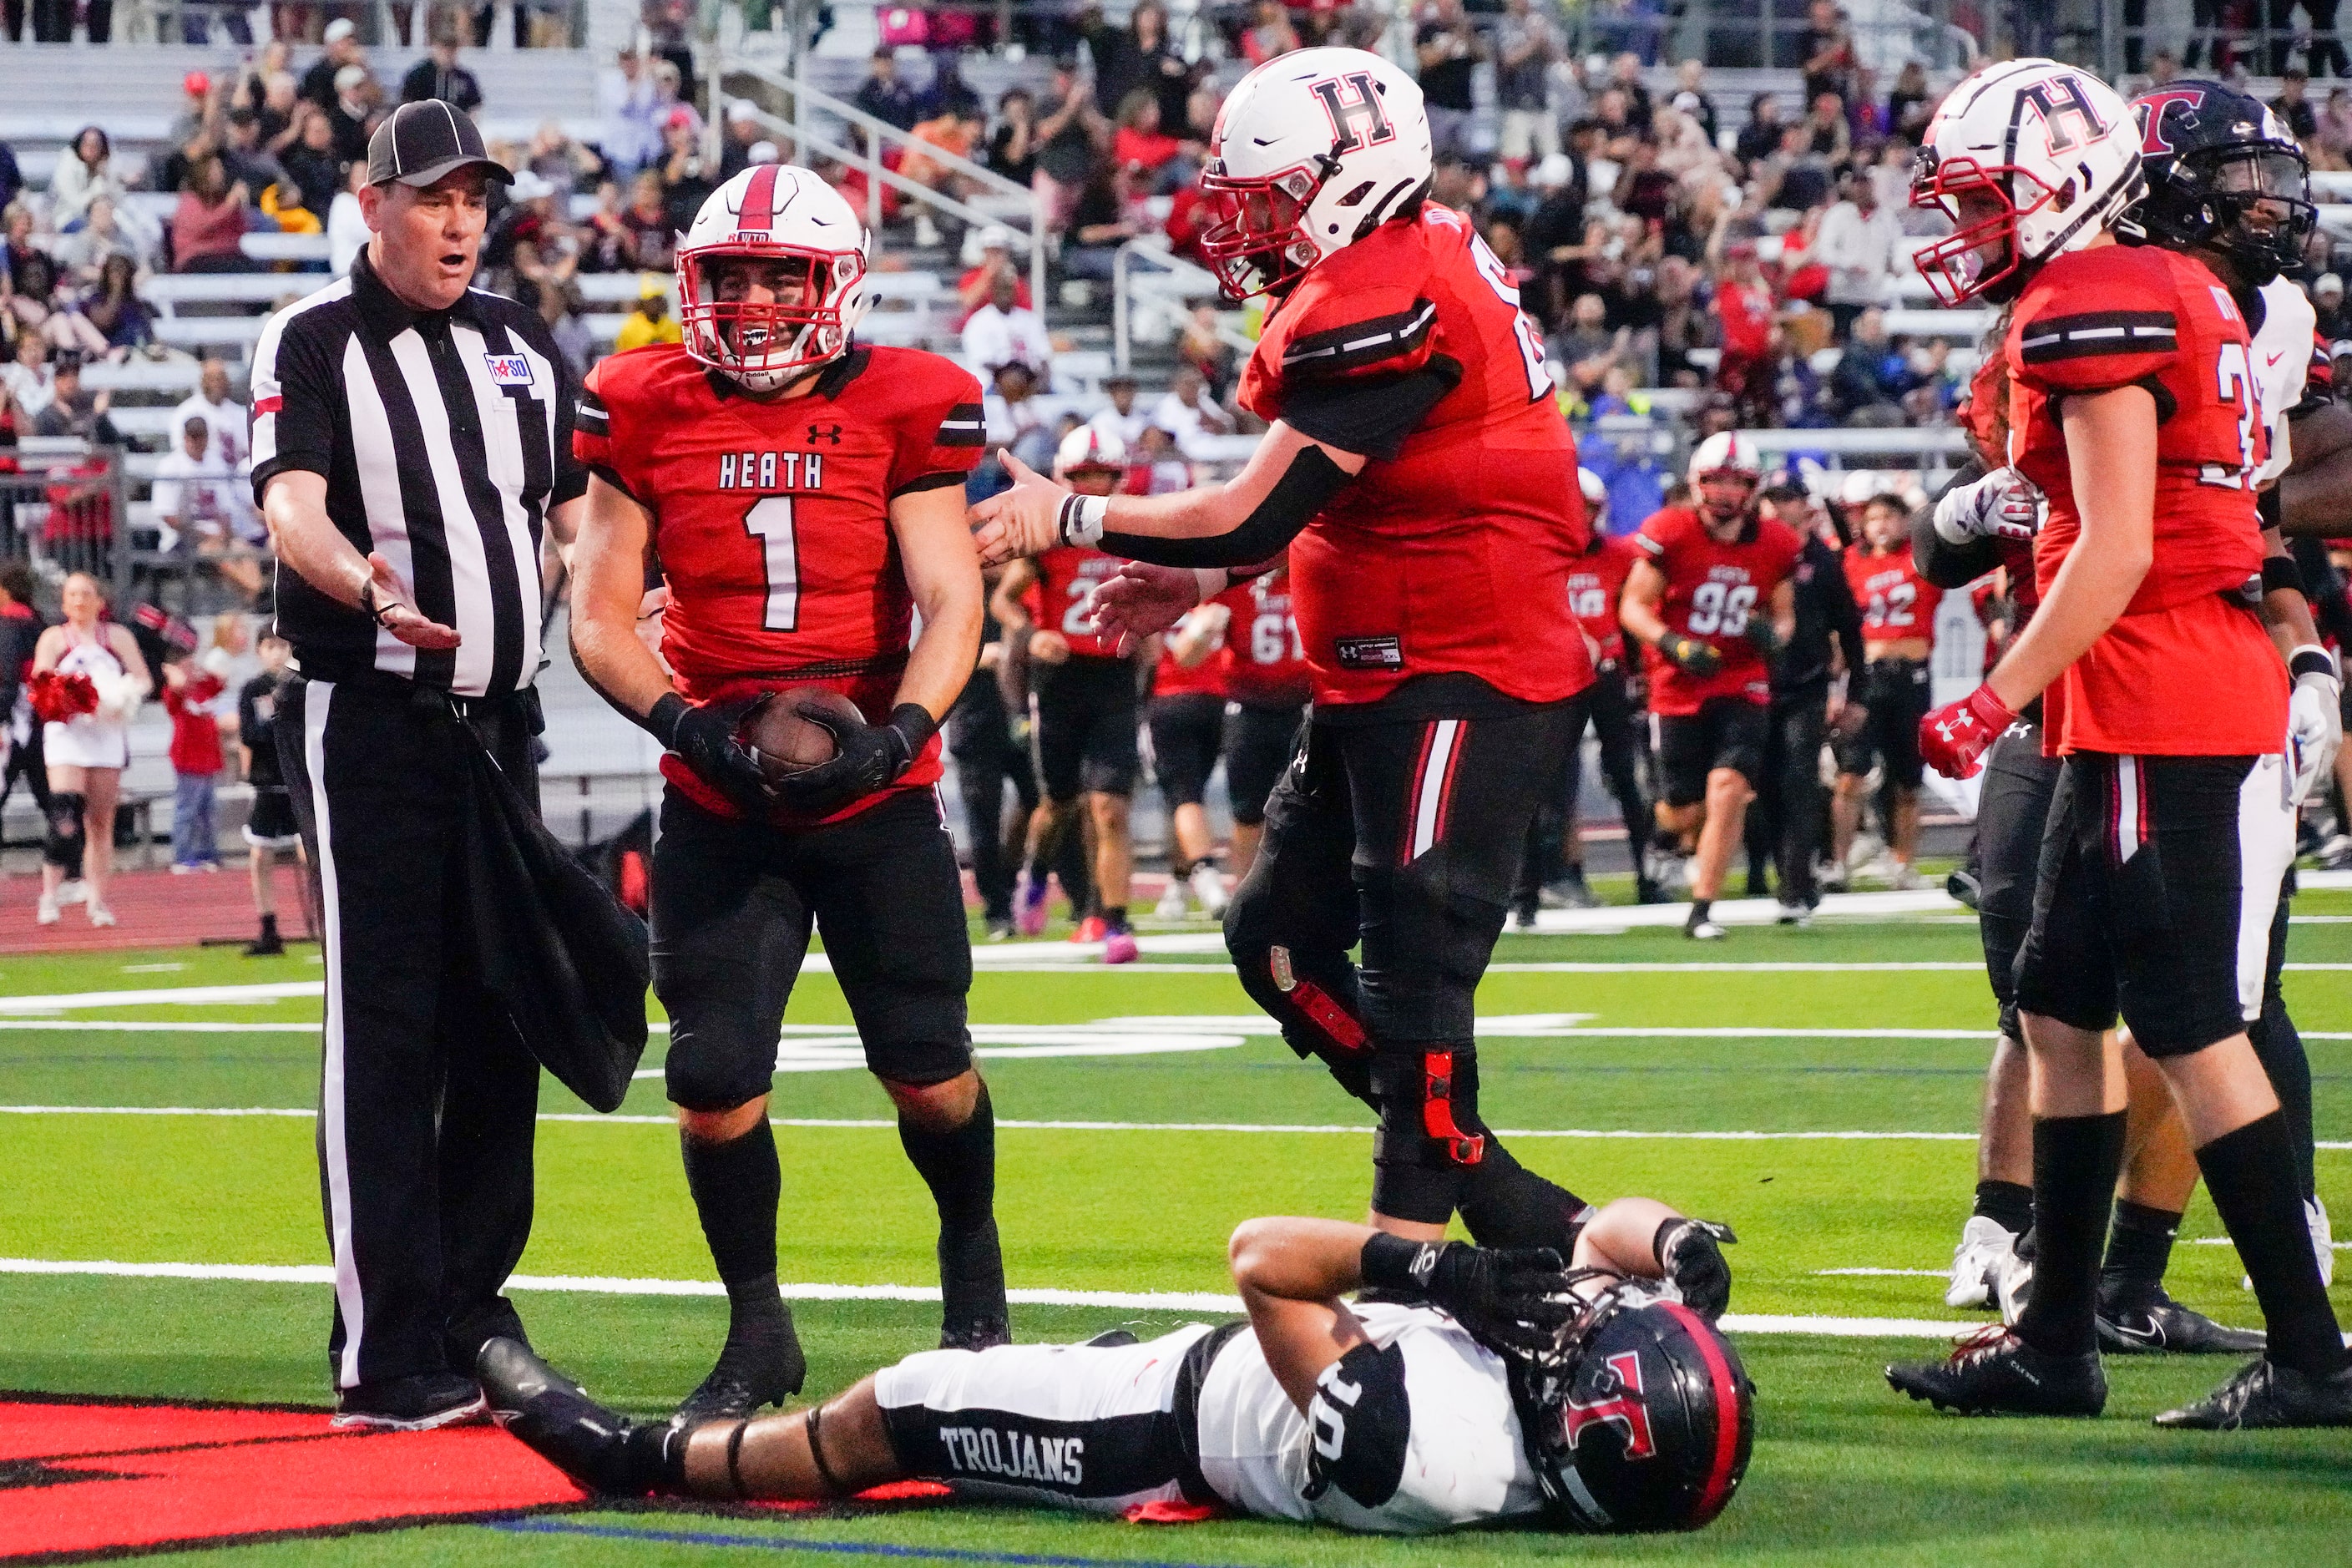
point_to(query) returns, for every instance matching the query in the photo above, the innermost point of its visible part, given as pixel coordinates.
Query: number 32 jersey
(1713, 591)
(2095, 320)
(771, 519)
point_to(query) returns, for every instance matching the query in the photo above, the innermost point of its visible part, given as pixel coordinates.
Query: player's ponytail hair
(1996, 418)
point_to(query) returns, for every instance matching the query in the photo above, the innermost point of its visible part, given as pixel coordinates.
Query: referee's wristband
(1082, 518)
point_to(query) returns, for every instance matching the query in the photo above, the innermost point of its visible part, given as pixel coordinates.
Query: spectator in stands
(248, 162)
(1827, 135)
(1135, 56)
(1120, 418)
(439, 76)
(1072, 143)
(1760, 137)
(558, 305)
(29, 378)
(949, 93)
(73, 413)
(651, 235)
(1871, 379)
(1188, 411)
(353, 112)
(974, 289)
(1526, 44)
(1004, 331)
(2291, 104)
(1859, 242)
(686, 172)
(114, 310)
(1910, 104)
(203, 509)
(312, 162)
(1690, 82)
(735, 142)
(1588, 348)
(651, 322)
(228, 429)
(562, 161)
(1826, 47)
(2328, 300)
(11, 178)
(2332, 148)
(954, 134)
(1271, 35)
(200, 108)
(626, 102)
(102, 235)
(1013, 145)
(84, 173)
(883, 95)
(1140, 146)
(1448, 51)
(209, 222)
(347, 229)
(607, 243)
(1744, 310)
(343, 50)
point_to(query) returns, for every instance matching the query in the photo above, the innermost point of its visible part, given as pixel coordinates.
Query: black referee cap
(420, 142)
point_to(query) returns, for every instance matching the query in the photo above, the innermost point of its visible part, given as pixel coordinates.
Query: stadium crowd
(1693, 266)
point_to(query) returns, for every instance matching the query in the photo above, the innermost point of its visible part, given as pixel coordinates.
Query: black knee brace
(1313, 995)
(1429, 1134)
(62, 846)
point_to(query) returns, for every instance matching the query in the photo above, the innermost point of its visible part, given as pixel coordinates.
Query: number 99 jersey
(2114, 316)
(1713, 591)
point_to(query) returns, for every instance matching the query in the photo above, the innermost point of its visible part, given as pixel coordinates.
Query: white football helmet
(2029, 159)
(773, 212)
(1724, 473)
(1089, 447)
(1312, 151)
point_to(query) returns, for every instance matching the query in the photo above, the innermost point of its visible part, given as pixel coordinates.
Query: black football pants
(987, 758)
(428, 1097)
(1785, 820)
(1405, 836)
(1616, 720)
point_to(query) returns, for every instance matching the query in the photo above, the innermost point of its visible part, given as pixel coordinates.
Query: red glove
(1954, 739)
(59, 697)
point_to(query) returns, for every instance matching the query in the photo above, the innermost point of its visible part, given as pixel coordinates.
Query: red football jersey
(1206, 678)
(771, 520)
(1066, 576)
(2162, 321)
(1712, 591)
(1265, 663)
(1450, 553)
(1896, 603)
(1595, 584)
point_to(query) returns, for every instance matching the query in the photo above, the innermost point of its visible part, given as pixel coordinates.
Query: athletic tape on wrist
(2312, 660)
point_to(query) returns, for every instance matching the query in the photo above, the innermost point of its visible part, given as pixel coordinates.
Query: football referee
(412, 441)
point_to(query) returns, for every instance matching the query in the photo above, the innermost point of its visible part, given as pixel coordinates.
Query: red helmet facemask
(768, 338)
(1955, 267)
(1255, 240)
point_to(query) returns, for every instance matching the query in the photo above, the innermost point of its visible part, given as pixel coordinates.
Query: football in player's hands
(795, 730)
(1690, 1253)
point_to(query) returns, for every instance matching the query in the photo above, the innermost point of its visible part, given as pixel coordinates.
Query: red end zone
(101, 1479)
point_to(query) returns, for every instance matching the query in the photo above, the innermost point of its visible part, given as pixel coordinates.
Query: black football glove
(1508, 1295)
(705, 736)
(1764, 635)
(1690, 1253)
(869, 757)
(1689, 655)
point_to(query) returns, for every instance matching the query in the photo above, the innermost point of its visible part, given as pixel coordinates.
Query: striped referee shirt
(443, 436)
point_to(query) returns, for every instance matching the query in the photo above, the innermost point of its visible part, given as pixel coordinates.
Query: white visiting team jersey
(2282, 361)
(1463, 1461)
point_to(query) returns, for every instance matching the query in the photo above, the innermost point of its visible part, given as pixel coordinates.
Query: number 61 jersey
(770, 518)
(2111, 317)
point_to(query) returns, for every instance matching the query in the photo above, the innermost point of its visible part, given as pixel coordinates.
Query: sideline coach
(411, 439)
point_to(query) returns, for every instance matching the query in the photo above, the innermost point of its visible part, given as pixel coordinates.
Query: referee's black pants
(428, 1097)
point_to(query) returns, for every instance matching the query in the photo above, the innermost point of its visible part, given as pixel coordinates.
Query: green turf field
(1610, 1055)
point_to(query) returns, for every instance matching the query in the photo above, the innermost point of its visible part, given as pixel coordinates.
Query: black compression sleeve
(1942, 563)
(1304, 490)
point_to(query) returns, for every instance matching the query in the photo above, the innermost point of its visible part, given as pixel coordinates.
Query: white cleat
(1171, 905)
(1704, 931)
(73, 891)
(1208, 886)
(1906, 878)
(2011, 1279)
(45, 911)
(1983, 1244)
(100, 915)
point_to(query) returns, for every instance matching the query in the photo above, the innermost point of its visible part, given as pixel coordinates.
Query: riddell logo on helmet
(1357, 121)
(2065, 112)
(1624, 1409)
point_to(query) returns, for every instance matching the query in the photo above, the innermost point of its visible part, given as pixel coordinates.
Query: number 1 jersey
(771, 520)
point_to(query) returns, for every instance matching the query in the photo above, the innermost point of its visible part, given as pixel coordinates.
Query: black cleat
(2158, 1322)
(1994, 1373)
(553, 1415)
(749, 1374)
(418, 1403)
(2264, 1394)
(1113, 1339)
(975, 1334)
(1964, 886)
(268, 944)
(974, 1314)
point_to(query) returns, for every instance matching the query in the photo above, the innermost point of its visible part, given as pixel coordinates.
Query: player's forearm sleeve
(1304, 490)
(1942, 563)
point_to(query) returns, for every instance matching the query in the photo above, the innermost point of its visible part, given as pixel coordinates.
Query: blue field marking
(840, 1547)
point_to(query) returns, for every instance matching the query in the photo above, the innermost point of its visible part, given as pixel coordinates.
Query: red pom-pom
(59, 697)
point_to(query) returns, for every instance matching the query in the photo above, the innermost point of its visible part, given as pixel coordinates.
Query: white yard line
(1126, 1301)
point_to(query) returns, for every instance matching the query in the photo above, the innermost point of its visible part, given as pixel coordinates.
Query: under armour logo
(1360, 122)
(1952, 728)
(1622, 1409)
(826, 433)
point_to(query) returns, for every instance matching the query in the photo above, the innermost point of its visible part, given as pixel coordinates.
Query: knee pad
(63, 841)
(1313, 995)
(1429, 1136)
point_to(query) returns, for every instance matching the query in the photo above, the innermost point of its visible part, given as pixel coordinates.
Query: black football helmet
(1640, 1418)
(2216, 161)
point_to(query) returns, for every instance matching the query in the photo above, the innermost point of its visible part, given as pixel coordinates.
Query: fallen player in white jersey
(1487, 1385)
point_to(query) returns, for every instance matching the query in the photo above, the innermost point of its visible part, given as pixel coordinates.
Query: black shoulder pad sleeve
(1370, 416)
